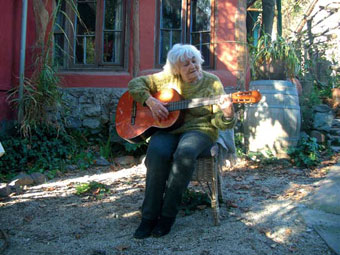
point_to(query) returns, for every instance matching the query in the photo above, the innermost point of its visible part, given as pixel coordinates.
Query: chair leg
(219, 183)
(214, 196)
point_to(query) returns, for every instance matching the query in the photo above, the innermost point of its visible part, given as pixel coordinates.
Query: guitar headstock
(246, 97)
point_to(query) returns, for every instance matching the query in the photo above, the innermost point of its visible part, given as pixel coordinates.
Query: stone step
(336, 149)
(336, 123)
(335, 131)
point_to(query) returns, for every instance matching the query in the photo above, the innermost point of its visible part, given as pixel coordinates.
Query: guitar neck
(192, 103)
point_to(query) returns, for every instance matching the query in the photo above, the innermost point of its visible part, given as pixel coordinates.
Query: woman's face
(190, 70)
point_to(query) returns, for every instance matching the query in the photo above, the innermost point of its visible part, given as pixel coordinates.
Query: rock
(5, 190)
(322, 108)
(125, 160)
(320, 137)
(38, 178)
(336, 123)
(92, 111)
(21, 179)
(336, 149)
(101, 161)
(91, 123)
(323, 121)
(71, 167)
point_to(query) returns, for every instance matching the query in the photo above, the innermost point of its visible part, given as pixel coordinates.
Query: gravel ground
(259, 215)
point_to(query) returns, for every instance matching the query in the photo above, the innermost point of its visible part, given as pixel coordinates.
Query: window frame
(186, 31)
(100, 65)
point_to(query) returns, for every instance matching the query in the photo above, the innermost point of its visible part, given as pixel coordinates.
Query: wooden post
(241, 44)
(279, 17)
(135, 43)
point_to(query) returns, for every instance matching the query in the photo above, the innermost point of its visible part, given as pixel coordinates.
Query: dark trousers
(170, 162)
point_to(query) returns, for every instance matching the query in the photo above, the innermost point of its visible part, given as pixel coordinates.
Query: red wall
(7, 41)
(10, 36)
(10, 27)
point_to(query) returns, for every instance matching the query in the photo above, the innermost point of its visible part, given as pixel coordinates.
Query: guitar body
(134, 122)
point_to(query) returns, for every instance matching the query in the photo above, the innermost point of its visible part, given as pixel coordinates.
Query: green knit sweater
(207, 119)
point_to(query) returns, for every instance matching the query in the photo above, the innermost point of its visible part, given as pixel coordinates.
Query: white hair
(179, 53)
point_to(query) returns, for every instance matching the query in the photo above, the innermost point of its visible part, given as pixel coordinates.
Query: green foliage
(93, 188)
(105, 148)
(192, 199)
(239, 144)
(84, 159)
(265, 158)
(40, 94)
(134, 147)
(46, 149)
(40, 91)
(268, 51)
(306, 153)
(307, 101)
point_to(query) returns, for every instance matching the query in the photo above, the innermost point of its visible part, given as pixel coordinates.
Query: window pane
(170, 26)
(168, 39)
(201, 41)
(90, 53)
(86, 56)
(113, 35)
(112, 47)
(59, 36)
(171, 14)
(60, 19)
(59, 50)
(87, 13)
(79, 58)
(200, 27)
(113, 15)
(200, 15)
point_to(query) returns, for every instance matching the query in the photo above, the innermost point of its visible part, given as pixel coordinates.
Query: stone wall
(90, 108)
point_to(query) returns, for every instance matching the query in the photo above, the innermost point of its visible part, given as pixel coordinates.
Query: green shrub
(192, 199)
(46, 149)
(306, 153)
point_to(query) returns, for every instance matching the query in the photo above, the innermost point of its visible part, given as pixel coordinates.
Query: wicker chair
(209, 166)
(208, 171)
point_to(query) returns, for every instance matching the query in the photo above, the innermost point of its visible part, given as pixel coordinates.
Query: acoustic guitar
(134, 122)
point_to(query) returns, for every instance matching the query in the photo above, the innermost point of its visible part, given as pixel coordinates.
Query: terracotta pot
(336, 94)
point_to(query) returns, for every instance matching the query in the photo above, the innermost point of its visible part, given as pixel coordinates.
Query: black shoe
(145, 228)
(163, 226)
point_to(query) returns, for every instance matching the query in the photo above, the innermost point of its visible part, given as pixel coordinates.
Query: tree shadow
(52, 219)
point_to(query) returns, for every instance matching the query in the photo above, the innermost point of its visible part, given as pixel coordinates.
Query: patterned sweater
(207, 119)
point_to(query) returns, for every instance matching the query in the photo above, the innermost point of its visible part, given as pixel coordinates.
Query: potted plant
(274, 60)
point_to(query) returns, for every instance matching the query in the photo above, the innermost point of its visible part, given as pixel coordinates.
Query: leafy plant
(40, 91)
(84, 159)
(306, 153)
(46, 149)
(268, 52)
(93, 188)
(192, 199)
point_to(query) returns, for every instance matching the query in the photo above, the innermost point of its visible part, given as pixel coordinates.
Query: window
(96, 38)
(185, 21)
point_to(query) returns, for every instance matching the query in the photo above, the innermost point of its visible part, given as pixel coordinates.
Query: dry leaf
(50, 189)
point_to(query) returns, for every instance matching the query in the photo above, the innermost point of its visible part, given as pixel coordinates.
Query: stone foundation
(90, 108)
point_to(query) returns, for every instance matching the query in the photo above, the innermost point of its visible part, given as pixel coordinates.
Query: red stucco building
(120, 39)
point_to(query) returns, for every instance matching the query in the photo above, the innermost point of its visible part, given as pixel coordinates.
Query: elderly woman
(171, 155)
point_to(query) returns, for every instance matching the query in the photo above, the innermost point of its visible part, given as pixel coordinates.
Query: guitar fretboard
(192, 103)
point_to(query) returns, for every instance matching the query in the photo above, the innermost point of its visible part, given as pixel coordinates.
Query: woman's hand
(158, 109)
(226, 106)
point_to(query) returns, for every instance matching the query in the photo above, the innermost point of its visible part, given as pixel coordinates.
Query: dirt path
(260, 216)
